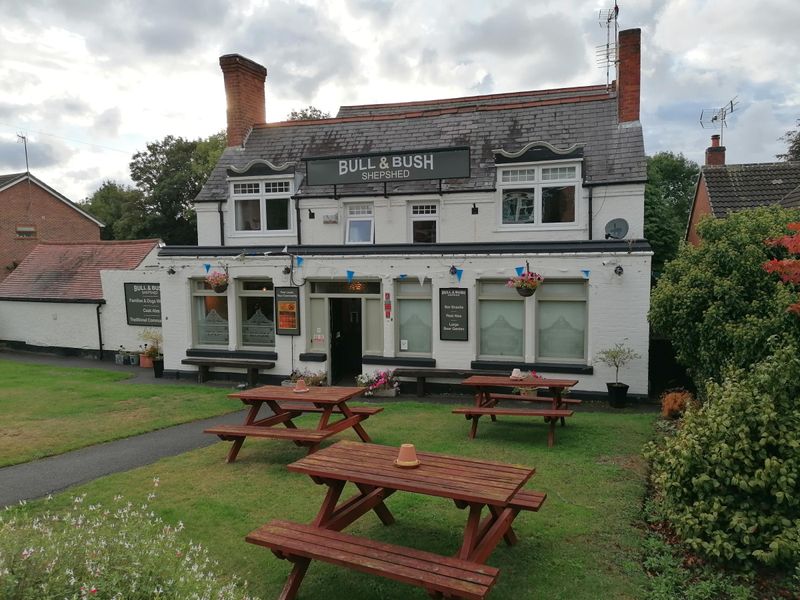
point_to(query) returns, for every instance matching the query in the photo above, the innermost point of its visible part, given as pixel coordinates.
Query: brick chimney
(715, 154)
(244, 93)
(629, 54)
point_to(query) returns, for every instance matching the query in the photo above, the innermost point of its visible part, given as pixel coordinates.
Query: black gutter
(221, 224)
(590, 212)
(297, 212)
(491, 248)
(99, 331)
(55, 300)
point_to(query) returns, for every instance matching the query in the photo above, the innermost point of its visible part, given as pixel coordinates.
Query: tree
(112, 203)
(671, 180)
(792, 139)
(715, 302)
(308, 113)
(169, 174)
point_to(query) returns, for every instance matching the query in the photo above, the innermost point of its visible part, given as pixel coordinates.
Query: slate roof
(10, 178)
(61, 271)
(792, 199)
(13, 178)
(737, 187)
(613, 153)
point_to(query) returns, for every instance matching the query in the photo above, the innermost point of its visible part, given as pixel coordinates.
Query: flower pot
(220, 288)
(158, 367)
(385, 393)
(119, 359)
(133, 359)
(617, 394)
(145, 361)
(525, 291)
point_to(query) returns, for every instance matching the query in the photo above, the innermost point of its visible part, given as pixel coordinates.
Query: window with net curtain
(561, 321)
(257, 313)
(414, 317)
(501, 320)
(210, 314)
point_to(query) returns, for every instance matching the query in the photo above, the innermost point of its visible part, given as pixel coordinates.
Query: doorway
(345, 336)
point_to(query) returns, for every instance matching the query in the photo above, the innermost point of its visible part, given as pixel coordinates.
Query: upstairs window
(534, 195)
(262, 206)
(360, 228)
(424, 223)
(26, 231)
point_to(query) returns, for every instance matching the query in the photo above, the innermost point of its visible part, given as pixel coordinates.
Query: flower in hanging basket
(218, 280)
(526, 283)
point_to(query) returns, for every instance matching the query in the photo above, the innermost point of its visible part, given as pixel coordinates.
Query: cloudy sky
(91, 82)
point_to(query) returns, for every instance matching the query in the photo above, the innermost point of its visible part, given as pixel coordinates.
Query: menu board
(454, 314)
(287, 306)
(143, 304)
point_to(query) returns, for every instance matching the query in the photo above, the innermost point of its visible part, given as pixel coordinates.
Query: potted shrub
(218, 280)
(151, 354)
(382, 384)
(526, 283)
(311, 378)
(617, 356)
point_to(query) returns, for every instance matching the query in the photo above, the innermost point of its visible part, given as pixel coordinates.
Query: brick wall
(244, 93)
(27, 204)
(700, 208)
(629, 74)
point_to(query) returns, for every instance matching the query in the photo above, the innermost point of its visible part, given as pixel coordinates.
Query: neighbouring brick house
(33, 212)
(723, 189)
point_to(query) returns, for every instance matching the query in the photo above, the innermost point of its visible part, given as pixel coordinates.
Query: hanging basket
(220, 288)
(526, 291)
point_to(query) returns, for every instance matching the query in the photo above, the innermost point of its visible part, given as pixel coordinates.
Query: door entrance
(345, 320)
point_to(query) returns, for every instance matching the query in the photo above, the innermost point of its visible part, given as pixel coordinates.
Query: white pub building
(384, 237)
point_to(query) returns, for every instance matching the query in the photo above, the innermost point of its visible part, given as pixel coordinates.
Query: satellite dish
(616, 229)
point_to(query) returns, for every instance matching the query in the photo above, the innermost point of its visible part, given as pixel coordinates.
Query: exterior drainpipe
(297, 212)
(591, 189)
(221, 224)
(99, 330)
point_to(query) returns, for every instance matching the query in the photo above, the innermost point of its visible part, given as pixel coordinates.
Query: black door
(345, 319)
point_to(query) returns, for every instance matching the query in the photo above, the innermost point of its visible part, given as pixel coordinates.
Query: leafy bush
(716, 304)
(118, 553)
(727, 481)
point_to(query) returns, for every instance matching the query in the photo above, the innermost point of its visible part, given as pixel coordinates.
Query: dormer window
(538, 195)
(262, 206)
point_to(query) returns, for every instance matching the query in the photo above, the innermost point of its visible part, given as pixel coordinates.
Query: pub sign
(287, 308)
(453, 314)
(143, 304)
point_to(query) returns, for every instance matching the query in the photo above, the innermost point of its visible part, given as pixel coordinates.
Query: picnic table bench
(422, 374)
(287, 405)
(472, 484)
(486, 401)
(253, 365)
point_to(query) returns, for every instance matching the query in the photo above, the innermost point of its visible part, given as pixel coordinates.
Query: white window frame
(357, 217)
(584, 298)
(537, 184)
(423, 217)
(197, 289)
(481, 295)
(263, 197)
(412, 290)
(243, 293)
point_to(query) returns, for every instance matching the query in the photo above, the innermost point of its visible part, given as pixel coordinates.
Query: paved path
(39, 478)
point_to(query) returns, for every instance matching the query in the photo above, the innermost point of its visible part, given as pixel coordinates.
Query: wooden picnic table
(286, 405)
(486, 401)
(472, 484)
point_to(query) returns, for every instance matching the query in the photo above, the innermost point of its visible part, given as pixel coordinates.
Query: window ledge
(401, 361)
(313, 356)
(539, 367)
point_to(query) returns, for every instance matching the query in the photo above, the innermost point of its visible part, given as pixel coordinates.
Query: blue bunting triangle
(520, 270)
(350, 275)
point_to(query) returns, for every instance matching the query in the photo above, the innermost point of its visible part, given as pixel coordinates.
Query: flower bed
(379, 383)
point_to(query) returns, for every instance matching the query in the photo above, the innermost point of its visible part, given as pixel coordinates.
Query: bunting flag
(300, 261)
(585, 273)
(421, 280)
(459, 273)
(402, 276)
(207, 267)
(350, 275)
(520, 270)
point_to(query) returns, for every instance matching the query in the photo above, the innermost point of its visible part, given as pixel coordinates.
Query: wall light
(474, 209)
(311, 214)
(619, 270)
(171, 271)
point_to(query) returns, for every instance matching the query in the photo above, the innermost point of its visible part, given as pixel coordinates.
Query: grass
(583, 544)
(50, 410)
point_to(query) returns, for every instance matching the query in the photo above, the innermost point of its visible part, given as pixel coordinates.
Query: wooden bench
(422, 374)
(439, 575)
(528, 500)
(296, 434)
(551, 416)
(532, 398)
(251, 364)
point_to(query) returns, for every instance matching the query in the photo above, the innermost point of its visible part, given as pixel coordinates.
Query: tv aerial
(606, 55)
(716, 118)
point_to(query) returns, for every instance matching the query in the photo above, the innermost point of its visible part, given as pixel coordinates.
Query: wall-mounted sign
(287, 305)
(411, 165)
(453, 314)
(143, 304)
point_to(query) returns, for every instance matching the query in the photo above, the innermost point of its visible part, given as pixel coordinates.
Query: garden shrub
(715, 302)
(119, 553)
(727, 481)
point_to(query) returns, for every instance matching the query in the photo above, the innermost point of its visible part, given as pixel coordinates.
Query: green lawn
(584, 543)
(48, 410)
